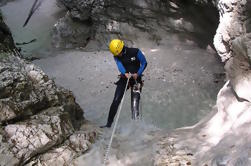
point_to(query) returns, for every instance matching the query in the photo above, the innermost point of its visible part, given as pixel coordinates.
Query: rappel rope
(115, 124)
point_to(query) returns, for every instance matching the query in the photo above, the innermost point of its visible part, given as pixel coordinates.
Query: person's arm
(143, 63)
(120, 66)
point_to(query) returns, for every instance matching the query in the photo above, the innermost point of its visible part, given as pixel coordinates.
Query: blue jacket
(131, 61)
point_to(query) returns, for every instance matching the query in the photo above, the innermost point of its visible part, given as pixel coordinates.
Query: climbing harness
(115, 124)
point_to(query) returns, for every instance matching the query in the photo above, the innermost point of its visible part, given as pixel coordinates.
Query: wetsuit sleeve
(120, 66)
(143, 62)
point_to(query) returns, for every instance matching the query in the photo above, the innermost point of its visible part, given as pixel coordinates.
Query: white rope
(115, 125)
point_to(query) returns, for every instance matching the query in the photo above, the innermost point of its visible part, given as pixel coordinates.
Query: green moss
(4, 55)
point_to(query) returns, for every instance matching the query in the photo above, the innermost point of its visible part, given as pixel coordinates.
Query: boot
(106, 126)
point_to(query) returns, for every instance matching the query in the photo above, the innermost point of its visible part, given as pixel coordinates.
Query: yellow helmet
(116, 46)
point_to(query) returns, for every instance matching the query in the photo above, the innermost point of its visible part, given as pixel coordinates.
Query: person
(131, 63)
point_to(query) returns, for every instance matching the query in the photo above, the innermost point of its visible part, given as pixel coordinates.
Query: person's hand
(135, 76)
(128, 75)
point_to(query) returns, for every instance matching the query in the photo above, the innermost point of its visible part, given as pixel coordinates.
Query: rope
(115, 125)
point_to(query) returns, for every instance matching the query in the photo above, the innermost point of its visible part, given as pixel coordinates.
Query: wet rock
(80, 142)
(220, 161)
(169, 154)
(25, 89)
(82, 10)
(64, 154)
(36, 116)
(6, 40)
(6, 157)
(151, 21)
(58, 157)
(219, 77)
(69, 34)
(39, 133)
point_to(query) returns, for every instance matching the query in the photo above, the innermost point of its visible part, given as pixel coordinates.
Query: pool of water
(39, 27)
(179, 90)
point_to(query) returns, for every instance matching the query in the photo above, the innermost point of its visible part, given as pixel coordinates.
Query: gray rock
(57, 157)
(77, 144)
(69, 34)
(6, 40)
(36, 116)
(239, 73)
(151, 21)
(232, 16)
(26, 90)
(81, 10)
(238, 65)
(39, 133)
(6, 156)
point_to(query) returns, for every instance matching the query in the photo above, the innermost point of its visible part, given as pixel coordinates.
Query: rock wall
(95, 22)
(3, 2)
(222, 138)
(6, 41)
(38, 120)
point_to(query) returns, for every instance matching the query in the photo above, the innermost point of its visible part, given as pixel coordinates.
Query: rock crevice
(221, 138)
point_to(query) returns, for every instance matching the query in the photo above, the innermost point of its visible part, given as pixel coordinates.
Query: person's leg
(116, 101)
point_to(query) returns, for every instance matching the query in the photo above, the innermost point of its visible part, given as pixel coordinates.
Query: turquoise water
(39, 27)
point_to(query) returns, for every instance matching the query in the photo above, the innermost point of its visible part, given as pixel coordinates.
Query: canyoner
(131, 64)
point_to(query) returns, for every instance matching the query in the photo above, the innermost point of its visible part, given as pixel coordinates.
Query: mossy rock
(4, 55)
(6, 40)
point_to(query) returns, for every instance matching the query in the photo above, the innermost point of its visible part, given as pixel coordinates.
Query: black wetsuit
(132, 61)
